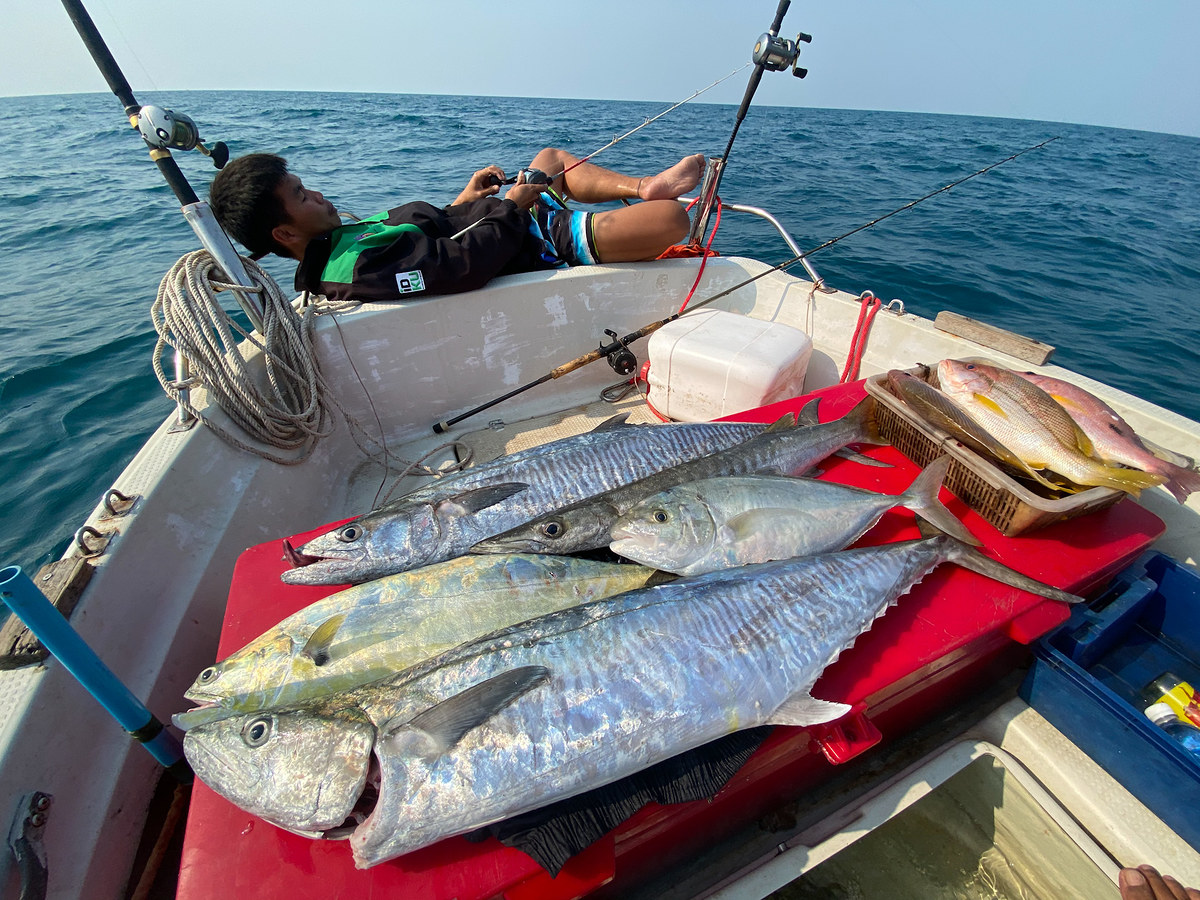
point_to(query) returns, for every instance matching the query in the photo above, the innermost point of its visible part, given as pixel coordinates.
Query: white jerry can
(713, 363)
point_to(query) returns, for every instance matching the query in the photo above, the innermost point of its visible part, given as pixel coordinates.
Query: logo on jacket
(410, 282)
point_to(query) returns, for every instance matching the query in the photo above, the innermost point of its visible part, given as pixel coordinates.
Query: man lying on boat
(417, 249)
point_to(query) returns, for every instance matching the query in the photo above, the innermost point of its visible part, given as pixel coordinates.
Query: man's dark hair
(243, 199)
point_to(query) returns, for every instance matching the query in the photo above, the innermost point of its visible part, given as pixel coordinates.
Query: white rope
(293, 412)
(288, 414)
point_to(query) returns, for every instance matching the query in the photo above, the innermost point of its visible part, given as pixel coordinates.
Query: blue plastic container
(1089, 675)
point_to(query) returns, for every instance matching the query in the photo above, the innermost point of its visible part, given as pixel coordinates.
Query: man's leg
(588, 183)
(638, 232)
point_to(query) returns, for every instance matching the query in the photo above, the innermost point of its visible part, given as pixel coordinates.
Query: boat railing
(816, 279)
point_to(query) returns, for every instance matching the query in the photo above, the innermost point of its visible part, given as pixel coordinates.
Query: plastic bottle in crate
(1185, 732)
(1172, 690)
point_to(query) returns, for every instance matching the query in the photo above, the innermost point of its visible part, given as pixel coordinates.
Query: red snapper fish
(1113, 439)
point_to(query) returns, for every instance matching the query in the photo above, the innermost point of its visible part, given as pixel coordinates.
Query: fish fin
(922, 498)
(659, 576)
(862, 416)
(753, 522)
(783, 423)
(970, 558)
(990, 404)
(481, 498)
(808, 413)
(444, 724)
(612, 422)
(317, 646)
(805, 709)
(855, 456)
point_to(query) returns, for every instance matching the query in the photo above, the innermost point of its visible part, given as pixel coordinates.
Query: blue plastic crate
(1088, 678)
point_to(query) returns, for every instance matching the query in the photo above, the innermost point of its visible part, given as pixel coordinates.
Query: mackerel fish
(780, 450)
(442, 520)
(374, 630)
(716, 523)
(569, 701)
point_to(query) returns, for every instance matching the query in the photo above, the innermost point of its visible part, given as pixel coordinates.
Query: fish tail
(922, 498)
(1132, 481)
(1181, 482)
(866, 427)
(970, 558)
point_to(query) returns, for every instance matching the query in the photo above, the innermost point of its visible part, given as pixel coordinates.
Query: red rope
(858, 344)
(707, 254)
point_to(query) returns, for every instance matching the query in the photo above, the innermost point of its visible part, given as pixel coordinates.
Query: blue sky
(1124, 64)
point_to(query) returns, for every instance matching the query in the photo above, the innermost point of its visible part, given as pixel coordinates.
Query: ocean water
(1091, 243)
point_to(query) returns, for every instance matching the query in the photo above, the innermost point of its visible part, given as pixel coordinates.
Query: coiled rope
(294, 410)
(289, 413)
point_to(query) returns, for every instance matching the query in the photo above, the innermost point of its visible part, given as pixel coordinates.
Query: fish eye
(207, 675)
(553, 529)
(257, 732)
(350, 533)
(659, 516)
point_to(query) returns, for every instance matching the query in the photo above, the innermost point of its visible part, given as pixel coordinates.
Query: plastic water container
(714, 363)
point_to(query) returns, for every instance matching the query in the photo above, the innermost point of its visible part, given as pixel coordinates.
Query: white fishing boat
(152, 569)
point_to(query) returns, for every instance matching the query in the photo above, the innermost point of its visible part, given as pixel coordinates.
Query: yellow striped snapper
(1027, 421)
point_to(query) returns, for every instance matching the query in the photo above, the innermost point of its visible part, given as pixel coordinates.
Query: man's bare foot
(673, 182)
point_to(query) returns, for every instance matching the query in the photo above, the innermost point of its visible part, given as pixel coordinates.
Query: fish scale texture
(672, 667)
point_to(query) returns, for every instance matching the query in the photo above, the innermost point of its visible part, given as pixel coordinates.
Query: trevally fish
(374, 630)
(1113, 439)
(442, 520)
(587, 525)
(1014, 422)
(716, 523)
(566, 702)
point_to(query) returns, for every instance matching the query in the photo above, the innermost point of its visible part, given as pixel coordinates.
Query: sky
(1131, 64)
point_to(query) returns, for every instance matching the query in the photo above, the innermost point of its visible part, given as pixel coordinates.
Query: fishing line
(619, 138)
(620, 345)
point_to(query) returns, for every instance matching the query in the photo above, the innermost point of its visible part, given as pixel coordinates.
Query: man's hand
(524, 194)
(484, 183)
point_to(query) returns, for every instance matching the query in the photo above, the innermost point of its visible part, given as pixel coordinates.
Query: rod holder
(40, 616)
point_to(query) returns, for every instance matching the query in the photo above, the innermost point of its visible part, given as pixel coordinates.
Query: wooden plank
(62, 582)
(1023, 348)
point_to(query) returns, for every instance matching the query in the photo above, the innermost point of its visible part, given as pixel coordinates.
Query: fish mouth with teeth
(333, 567)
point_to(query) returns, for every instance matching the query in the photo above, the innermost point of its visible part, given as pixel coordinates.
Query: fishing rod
(770, 52)
(622, 359)
(163, 130)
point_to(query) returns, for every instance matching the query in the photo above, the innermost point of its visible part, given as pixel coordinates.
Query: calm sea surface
(1091, 243)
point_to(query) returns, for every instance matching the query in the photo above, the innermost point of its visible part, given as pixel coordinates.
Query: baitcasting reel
(620, 357)
(776, 53)
(164, 129)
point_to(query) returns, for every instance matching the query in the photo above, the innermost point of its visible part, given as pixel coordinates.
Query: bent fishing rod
(622, 360)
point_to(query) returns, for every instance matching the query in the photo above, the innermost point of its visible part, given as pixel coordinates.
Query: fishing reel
(620, 358)
(776, 54)
(164, 129)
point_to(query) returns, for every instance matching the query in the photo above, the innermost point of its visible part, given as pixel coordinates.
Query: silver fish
(717, 523)
(374, 630)
(587, 525)
(569, 701)
(442, 520)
